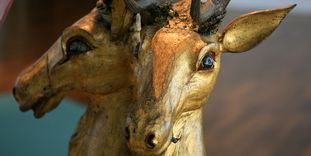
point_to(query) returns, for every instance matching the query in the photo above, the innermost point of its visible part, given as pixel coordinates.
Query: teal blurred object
(22, 134)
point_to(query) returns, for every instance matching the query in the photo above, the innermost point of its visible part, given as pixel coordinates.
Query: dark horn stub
(208, 14)
(140, 5)
(104, 12)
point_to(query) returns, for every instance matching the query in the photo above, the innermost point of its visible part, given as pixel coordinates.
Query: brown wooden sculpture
(147, 66)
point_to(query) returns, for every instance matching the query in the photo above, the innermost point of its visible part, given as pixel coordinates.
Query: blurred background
(261, 105)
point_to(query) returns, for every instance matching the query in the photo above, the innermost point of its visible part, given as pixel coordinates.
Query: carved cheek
(197, 91)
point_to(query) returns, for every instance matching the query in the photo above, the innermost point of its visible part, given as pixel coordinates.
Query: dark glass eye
(77, 46)
(207, 62)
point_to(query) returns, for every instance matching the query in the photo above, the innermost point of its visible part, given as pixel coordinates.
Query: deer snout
(33, 89)
(144, 135)
(150, 140)
(32, 84)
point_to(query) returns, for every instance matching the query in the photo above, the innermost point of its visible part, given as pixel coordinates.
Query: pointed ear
(248, 30)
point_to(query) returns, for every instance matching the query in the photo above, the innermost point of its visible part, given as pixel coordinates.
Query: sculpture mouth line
(42, 105)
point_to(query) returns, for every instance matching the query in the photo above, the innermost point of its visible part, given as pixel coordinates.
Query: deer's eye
(207, 62)
(77, 46)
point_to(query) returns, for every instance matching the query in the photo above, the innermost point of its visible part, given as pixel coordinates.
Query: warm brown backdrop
(261, 105)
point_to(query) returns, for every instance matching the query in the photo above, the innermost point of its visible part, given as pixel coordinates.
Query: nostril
(151, 141)
(14, 91)
(127, 133)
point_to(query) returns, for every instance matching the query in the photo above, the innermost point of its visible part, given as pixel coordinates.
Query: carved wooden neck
(101, 129)
(191, 141)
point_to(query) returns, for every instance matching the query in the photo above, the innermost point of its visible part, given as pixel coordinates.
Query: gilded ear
(248, 30)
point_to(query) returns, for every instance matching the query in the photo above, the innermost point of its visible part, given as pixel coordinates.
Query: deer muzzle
(33, 89)
(149, 130)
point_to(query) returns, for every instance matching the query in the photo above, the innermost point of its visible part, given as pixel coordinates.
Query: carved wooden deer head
(85, 58)
(92, 56)
(177, 68)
